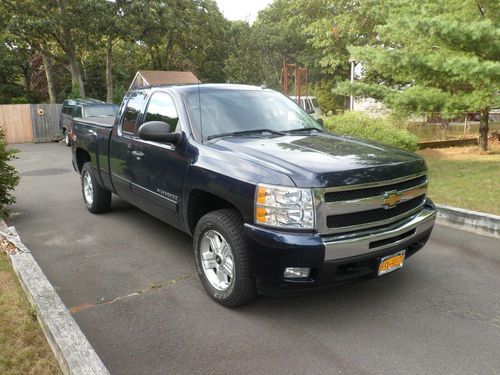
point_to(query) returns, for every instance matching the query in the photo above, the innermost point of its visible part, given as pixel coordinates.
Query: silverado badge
(391, 199)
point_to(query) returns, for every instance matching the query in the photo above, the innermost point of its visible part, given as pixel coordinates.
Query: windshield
(101, 110)
(224, 112)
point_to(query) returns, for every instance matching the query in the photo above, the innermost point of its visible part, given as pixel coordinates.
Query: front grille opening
(347, 195)
(353, 270)
(390, 240)
(379, 214)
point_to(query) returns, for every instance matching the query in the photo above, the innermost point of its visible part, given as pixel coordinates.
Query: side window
(77, 112)
(132, 111)
(161, 107)
(68, 110)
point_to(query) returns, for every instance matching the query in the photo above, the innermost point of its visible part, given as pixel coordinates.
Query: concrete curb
(70, 346)
(470, 221)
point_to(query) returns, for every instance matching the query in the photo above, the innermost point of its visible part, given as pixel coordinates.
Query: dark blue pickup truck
(271, 199)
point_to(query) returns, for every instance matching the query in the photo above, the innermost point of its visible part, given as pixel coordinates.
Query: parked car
(270, 198)
(309, 104)
(82, 108)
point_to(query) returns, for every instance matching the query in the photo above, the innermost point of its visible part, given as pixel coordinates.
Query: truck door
(122, 147)
(158, 173)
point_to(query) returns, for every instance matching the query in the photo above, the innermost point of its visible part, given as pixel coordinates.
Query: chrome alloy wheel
(67, 139)
(88, 190)
(217, 260)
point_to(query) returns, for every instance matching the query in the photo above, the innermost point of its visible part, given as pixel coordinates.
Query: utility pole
(353, 64)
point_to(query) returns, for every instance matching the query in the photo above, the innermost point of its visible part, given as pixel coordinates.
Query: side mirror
(158, 131)
(320, 121)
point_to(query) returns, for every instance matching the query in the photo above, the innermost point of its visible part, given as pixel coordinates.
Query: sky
(245, 10)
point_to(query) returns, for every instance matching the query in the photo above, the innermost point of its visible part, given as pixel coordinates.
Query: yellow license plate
(391, 263)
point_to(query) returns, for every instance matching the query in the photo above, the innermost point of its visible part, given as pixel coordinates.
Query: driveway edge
(469, 221)
(71, 348)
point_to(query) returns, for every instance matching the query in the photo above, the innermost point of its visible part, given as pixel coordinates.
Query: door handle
(138, 154)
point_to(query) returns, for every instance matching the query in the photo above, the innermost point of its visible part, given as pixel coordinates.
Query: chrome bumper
(354, 244)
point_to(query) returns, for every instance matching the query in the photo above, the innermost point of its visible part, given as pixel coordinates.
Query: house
(159, 77)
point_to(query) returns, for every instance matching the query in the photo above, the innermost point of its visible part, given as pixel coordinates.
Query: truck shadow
(364, 297)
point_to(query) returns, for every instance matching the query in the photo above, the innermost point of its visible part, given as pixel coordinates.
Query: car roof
(187, 88)
(303, 97)
(86, 101)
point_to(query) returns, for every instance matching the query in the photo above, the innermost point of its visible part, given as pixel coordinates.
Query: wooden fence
(26, 123)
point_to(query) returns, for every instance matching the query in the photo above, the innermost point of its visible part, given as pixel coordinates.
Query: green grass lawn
(463, 177)
(23, 348)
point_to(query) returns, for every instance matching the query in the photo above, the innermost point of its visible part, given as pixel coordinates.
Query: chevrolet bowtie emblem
(391, 199)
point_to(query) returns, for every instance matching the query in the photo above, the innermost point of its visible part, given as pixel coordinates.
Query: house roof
(158, 77)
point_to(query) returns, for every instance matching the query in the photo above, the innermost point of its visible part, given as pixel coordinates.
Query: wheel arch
(201, 202)
(82, 157)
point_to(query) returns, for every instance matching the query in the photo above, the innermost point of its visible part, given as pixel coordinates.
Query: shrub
(328, 101)
(379, 129)
(8, 176)
(19, 100)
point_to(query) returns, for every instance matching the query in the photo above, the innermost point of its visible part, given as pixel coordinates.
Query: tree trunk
(76, 75)
(109, 70)
(27, 75)
(483, 129)
(69, 49)
(47, 64)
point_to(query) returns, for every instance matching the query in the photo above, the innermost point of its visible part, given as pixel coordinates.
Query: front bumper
(333, 259)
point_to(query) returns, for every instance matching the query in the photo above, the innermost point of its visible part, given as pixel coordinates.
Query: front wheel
(221, 258)
(96, 198)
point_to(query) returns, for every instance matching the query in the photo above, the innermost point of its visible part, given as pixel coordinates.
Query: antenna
(199, 109)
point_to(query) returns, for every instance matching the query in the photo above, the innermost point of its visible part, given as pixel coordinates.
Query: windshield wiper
(310, 128)
(245, 132)
(304, 130)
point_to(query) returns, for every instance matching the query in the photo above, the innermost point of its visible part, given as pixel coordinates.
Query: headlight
(285, 207)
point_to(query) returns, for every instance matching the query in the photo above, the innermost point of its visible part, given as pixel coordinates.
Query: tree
(243, 64)
(111, 23)
(279, 34)
(47, 25)
(434, 56)
(340, 25)
(12, 60)
(316, 36)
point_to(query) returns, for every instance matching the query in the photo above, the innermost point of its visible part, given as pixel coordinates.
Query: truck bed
(104, 121)
(93, 134)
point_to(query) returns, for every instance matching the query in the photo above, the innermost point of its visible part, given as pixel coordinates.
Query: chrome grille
(357, 207)
(379, 214)
(346, 195)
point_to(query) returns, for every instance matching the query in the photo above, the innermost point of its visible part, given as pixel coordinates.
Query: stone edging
(71, 348)
(470, 221)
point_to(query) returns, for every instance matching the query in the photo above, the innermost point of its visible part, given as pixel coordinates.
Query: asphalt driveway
(130, 283)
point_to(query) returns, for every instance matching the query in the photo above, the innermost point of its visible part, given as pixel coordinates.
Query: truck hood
(323, 159)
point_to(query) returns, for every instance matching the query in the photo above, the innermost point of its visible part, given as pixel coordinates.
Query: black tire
(229, 224)
(67, 139)
(100, 197)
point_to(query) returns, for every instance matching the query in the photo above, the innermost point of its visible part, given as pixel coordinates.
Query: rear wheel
(67, 138)
(96, 198)
(221, 258)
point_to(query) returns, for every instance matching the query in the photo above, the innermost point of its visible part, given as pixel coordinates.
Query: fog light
(296, 272)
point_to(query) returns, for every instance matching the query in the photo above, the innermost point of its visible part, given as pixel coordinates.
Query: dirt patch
(458, 153)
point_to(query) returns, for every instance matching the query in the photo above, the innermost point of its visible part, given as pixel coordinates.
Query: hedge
(379, 129)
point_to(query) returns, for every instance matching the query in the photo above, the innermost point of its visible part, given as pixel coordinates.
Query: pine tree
(433, 56)
(8, 176)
